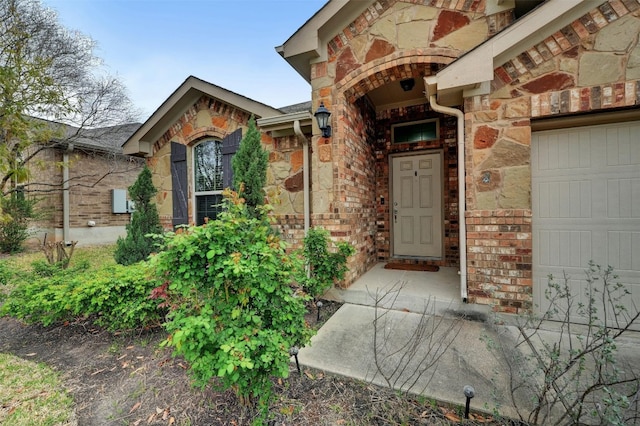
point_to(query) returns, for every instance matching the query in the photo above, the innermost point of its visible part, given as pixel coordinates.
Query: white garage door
(586, 206)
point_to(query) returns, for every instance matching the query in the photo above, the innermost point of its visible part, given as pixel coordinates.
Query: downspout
(305, 173)
(65, 193)
(431, 92)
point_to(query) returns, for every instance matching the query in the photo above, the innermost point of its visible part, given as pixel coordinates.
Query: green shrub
(5, 273)
(118, 296)
(14, 229)
(145, 222)
(233, 313)
(325, 267)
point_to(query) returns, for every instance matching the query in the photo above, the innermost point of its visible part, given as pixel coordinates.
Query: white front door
(416, 208)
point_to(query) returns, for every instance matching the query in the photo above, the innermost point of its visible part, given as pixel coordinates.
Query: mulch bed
(128, 379)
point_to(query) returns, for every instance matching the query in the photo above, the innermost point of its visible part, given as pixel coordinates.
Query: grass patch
(96, 255)
(31, 394)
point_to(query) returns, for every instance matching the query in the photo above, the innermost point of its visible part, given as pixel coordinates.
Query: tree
(145, 222)
(250, 168)
(52, 91)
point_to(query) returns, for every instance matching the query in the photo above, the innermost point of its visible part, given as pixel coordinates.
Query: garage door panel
(565, 198)
(586, 206)
(556, 248)
(624, 250)
(623, 198)
(622, 148)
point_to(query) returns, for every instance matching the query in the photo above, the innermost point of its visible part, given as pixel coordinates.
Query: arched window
(208, 179)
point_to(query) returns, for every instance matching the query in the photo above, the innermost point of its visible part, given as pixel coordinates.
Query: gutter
(431, 86)
(65, 193)
(305, 172)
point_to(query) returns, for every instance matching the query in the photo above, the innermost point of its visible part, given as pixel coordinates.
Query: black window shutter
(179, 183)
(230, 146)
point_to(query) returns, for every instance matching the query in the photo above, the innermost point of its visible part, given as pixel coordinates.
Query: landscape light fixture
(469, 393)
(322, 116)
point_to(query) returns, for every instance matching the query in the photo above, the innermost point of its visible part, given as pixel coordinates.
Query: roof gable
(309, 42)
(178, 102)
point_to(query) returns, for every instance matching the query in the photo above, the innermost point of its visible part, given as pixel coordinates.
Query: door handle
(395, 215)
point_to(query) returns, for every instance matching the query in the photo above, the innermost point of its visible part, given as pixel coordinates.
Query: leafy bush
(5, 273)
(118, 296)
(14, 229)
(233, 313)
(145, 221)
(325, 267)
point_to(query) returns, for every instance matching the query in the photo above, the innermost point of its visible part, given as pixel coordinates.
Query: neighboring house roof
(107, 139)
(104, 139)
(181, 99)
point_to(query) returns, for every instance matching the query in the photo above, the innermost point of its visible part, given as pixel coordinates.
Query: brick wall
(92, 176)
(499, 259)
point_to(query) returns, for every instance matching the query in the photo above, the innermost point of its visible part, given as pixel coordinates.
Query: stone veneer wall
(210, 118)
(206, 118)
(391, 40)
(285, 189)
(591, 65)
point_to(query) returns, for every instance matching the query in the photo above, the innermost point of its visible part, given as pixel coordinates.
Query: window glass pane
(425, 131)
(208, 166)
(208, 206)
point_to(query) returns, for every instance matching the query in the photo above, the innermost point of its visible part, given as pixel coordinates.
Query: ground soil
(128, 379)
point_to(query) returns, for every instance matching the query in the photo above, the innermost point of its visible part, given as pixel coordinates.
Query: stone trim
(363, 22)
(183, 127)
(567, 38)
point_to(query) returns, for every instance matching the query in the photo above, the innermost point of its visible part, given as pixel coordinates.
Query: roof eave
(309, 43)
(283, 125)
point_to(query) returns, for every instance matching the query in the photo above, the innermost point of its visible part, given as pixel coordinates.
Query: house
(500, 137)
(81, 182)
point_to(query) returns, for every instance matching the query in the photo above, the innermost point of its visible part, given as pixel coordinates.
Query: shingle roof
(303, 106)
(103, 139)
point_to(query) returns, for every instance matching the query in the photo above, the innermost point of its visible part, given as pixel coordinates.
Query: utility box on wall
(119, 201)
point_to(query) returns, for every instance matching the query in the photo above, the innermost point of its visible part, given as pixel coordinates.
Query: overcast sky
(154, 45)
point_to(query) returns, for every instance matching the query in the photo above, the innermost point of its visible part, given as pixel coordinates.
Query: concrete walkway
(371, 338)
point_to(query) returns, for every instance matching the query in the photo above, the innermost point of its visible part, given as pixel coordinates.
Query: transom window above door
(416, 131)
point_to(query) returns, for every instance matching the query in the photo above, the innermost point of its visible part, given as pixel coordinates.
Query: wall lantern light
(322, 116)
